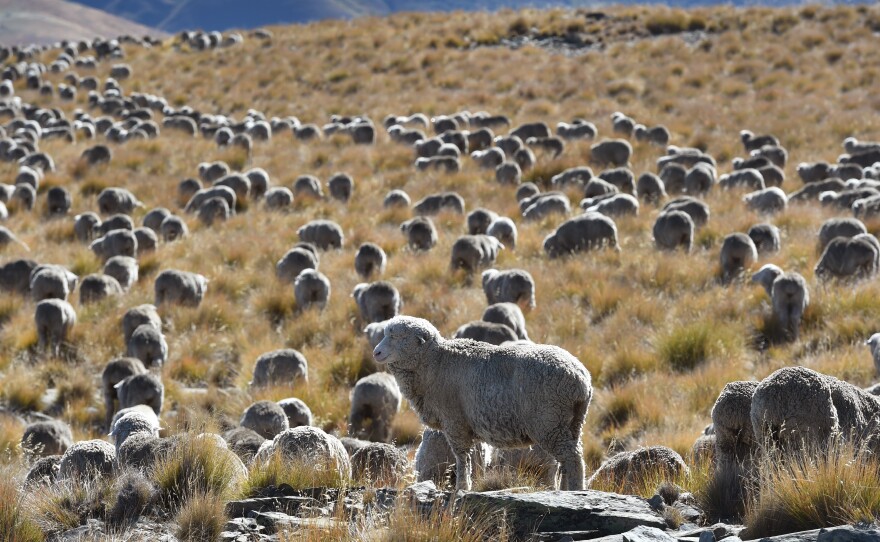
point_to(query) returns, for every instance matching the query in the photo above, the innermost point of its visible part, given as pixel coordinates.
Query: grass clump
(201, 518)
(298, 474)
(197, 465)
(687, 347)
(16, 524)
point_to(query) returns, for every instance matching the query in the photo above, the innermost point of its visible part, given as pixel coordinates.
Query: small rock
(707, 536)
(849, 533)
(643, 533)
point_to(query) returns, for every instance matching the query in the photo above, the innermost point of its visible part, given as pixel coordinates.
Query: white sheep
(874, 344)
(284, 367)
(377, 301)
(266, 418)
(375, 400)
(311, 287)
(478, 392)
(54, 318)
(180, 287)
(510, 286)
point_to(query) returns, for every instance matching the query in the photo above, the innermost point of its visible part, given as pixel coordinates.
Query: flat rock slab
(560, 511)
(844, 533)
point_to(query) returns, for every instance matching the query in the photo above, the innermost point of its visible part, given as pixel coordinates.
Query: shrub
(279, 470)
(16, 524)
(201, 518)
(196, 465)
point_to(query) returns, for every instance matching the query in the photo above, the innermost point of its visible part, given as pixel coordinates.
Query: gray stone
(570, 536)
(707, 536)
(643, 533)
(287, 504)
(275, 521)
(721, 531)
(849, 533)
(564, 511)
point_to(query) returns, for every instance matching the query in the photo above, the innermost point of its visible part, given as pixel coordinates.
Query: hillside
(661, 332)
(45, 21)
(177, 15)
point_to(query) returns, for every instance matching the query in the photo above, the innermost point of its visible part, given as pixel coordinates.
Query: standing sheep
(844, 258)
(611, 151)
(285, 367)
(138, 316)
(295, 261)
(124, 269)
(470, 252)
(324, 234)
(478, 392)
(839, 227)
(266, 418)
(377, 301)
(48, 281)
(674, 229)
(97, 287)
(148, 345)
(626, 470)
(41, 439)
(396, 198)
(86, 460)
(737, 253)
(789, 296)
(115, 243)
(650, 188)
(115, 372)
(503, 229)
(435, 461)
(141, 389)
(311, 287)
(117, 200)
(768, 201)
(308, 446)
(581, 233)
(508, 314)
(180, 288)
(513, 286)
(698, 210)
(298, 413)
(420, 232)
(370, 258)
(765, 237)
(478, 221)
(487, 332)
(340, 186)
(54, 319)
(375, 400)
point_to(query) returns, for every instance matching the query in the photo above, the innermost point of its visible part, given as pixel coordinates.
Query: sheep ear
(421, 339)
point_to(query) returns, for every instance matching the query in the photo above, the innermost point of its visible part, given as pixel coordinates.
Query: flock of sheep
(489, 384)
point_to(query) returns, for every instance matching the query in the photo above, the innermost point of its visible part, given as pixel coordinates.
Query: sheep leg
(462, 448)
(108, 407)
(571, 462)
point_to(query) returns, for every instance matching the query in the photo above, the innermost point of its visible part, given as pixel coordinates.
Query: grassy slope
(810, 82)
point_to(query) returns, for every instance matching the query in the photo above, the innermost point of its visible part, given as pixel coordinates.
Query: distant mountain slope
(176, 15)
(44, 21)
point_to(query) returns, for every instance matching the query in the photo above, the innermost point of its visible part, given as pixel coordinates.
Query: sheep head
(405, 338)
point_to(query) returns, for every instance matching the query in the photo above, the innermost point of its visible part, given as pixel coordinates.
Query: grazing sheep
(620, 177)
(738, 252)
(684, 156)
(553, 146)
(751, 142)
(141, 389)
(776, 154)
(478, 221)
(470, 252)
(626, 470)
(765, 237)
(122, 268)
(541, 205)
(377, 301)
(503, 229)
(278, 198)
(324, 234)
(428, 368)
(508, 314)
(673, 175)
(579, 129)
(205, 194)
(577, 176)
(421, 233)
(311, 287)
(294, 262)
(490, 158)
(238, 183)
(340, 186)
(97, 287)
(789, 296)
(508, 173)
(214, 209)
(54, 319)
(449, 164)
(797, 408)
(85, 460)
(731, 420)
(526, 191)
(173, 228)
(611, 151)
(117, 200)
(85, 226)
(582, 233)
(375, 400)
(260, 182)
(812, 191)
(266, 418)
(51, 281)
(297, 412)
(115, 243)
(656, 135)
(58, 201)
(285, 367)
(243, 442)
(41, 439)
(380, 463)
(700, 179)
(673, 229)
(768, 201)
(396, 198)
(308, 446)
(147, 240)
(616, 205)
(650, 188)
(148, 345)
(370, 258)
(43, 471)
(435, 460)
(15, 276)
(839, 227)
(845, 258)
(435, 203)
(622, 124)
(138, 316)
(773, 175)
(180, 288)
(99, 154)
(154, 218)
(133, 421)
(511, 286)
(115, 372)
(307, 186)
(188, 188)
(531, 129)
(487, 332)
(698, 210)
(25, 195)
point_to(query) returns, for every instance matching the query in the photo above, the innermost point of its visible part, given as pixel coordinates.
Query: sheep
(673, 229)
(370, 258)
(51, 281)
(698, 210)
(124, 269)
(238, 183)
(731, 421)
(435, 203)
(180, 288)
(380, 463)
(449, 164)
(203, 195)
(307, 132)
(551, 145)
(513, 286)
(650, 188)
(188, 188)
(478, 221)
(489, 159)
(620, 177)
(214, 209)
(260, 182)
(173, 228)
(843, 258)
(88, 459)
(752, 142)
(789, 296)
(616, 205)
(797, 408)
(308, 446)
(700, 179)
(294, 262)
(487, 332)
(41, 439)
(683, 156)
(266, 418)
(503, 229)
(812, 191)
(131, 423)
(435, 461)
(508, 314)
(375, 400)
(243, 442)
(138, 316)
(96, 287)
(839, 227)
(428, 367)
(117, 200)
(148, 345)
(854, 146)
(115, 243)
(285, 367)
(297, 412)
(15, 276)
(141, 389)
(114, 372)
(340, 186)
(278, 198)
(54, 319)
(526, 191)
(25, 196)
(622, 124)
(611, 151)
(307, 186)
(541, 205)
(311, 287)
(768, 201)
(582, 233)
(656, 135)
(58, 201)
(98, 154)
(673, 175)
(153, 219)
(576, 176)
(626, 470)
(765, 237)
(324, 234)
(396, 198)
(508, 173)
(737, 253)
(43, 471)
(85, 226)
(377, 301)
(579, 129)
(776, 154)
(470, 252)
(531, 129)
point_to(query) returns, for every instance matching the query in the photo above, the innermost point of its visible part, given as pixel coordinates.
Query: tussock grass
(201, 518)
(279, 470)
(196, 465)
(16, 522)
